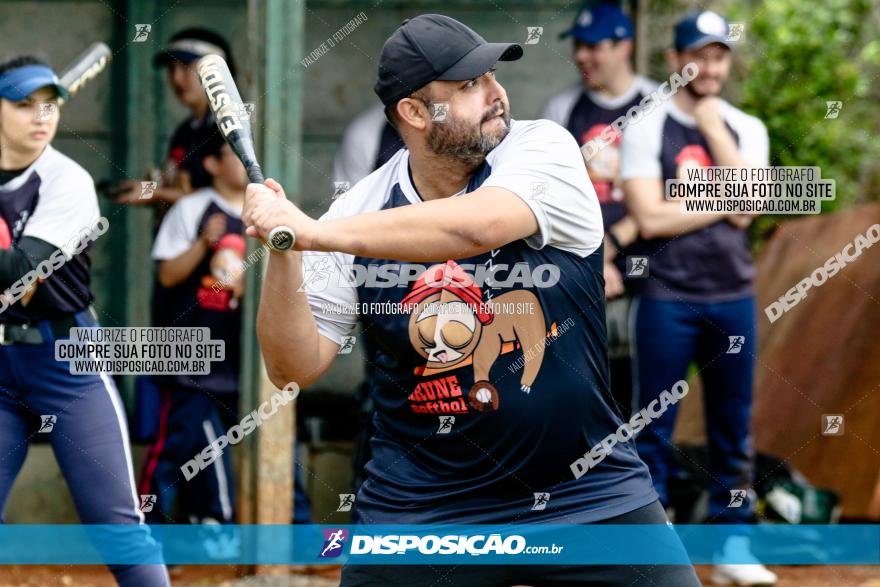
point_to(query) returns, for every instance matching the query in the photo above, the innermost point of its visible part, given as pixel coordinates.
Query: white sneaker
(749, 572)
(745, 575)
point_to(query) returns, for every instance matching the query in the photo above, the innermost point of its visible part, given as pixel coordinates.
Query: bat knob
(281, 238)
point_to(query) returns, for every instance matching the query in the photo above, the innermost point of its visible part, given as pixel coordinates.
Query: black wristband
(613, 240)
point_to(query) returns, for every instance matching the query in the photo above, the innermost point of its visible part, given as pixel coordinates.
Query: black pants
(533, 575)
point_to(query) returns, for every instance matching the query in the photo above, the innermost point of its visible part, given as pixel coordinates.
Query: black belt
(30, 333)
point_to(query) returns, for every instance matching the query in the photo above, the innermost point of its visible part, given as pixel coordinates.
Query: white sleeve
(177, 232)
(352, 162)
(359, 148)
(754, 144)
(332, 295)
(646, 85)
(553, 110)
(544, 166)
(640, 148)
(558, 108)
(67, 211)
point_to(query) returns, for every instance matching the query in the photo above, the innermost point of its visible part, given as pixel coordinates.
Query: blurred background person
(183, 171)
(199, 252)
(699, 295)
(367, 143)
(602, 49)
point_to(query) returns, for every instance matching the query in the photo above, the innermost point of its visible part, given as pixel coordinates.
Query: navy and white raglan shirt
(522, 370)
(211, 295)
(368, 142)
(585, 114)
(53, 200)
(713, 263)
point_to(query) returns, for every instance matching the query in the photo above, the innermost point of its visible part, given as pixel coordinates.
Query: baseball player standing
(183, 169)
(507, 358)
(46, 202)
(608, 88)
(698, 300)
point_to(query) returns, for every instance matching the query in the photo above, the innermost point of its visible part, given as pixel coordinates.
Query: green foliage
(798, 56)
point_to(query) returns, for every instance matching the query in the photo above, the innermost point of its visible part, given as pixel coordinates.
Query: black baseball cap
(435, 47)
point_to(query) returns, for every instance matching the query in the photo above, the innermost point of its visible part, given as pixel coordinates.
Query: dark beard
(457, 139)
(694, 93)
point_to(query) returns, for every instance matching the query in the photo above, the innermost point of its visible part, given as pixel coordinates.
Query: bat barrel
(232, 120)
(89, 64)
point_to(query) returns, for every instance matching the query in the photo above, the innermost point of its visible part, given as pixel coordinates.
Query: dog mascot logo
(451, 326)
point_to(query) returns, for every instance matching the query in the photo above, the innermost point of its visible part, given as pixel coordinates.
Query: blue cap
(698, 29)
(19, 83)
(597, 23)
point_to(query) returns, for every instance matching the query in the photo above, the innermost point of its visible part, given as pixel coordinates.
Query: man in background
(698, 300)
(367, 143)
(183, 171)
(199, 252)
(602, 51)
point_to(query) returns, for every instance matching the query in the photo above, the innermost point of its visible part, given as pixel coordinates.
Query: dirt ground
(229, 576)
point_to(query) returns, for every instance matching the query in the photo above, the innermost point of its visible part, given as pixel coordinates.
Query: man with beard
(602, 50)
(698, 299)
(473, 189)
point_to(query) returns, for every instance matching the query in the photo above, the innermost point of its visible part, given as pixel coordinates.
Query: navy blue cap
(19, 83)
(435, 47)
(698, 29)
(594, 24)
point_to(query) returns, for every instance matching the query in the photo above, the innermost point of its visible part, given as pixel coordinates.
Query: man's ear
(626, 47)
(413, 112)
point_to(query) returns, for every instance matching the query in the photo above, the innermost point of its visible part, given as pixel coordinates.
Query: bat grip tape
(255, 174)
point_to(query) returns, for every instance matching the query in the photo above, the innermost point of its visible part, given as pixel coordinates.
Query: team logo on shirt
(227, 264)
(5, 235)
(177, 155)
(604, 166)
(452, 327)
(689, 157)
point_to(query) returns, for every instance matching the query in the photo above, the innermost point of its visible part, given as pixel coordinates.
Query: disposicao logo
(334, 542)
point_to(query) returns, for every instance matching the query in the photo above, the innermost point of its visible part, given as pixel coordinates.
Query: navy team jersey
(585, 114)
(211, 295)
(487, 390)
(713, 263)
(184, 151)
(53, 200)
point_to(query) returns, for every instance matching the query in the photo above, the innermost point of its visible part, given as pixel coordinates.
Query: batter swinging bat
(226, 104)
(85, 67)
